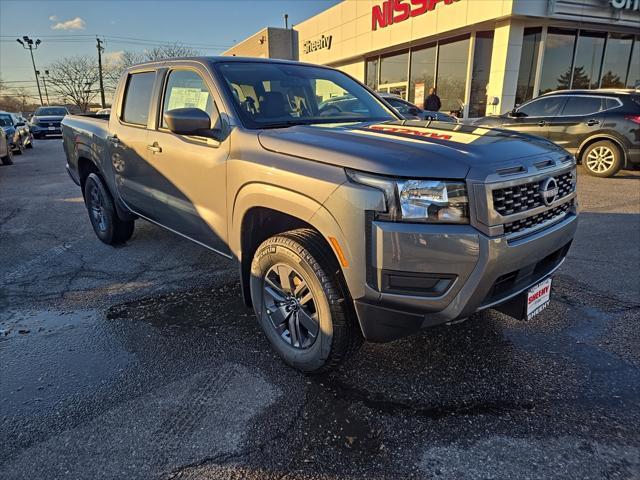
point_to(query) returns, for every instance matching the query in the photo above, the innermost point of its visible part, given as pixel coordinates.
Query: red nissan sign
(396, 11)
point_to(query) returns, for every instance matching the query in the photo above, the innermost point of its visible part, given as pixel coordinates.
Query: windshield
(53, 111)
(271, 95)
(5, 121)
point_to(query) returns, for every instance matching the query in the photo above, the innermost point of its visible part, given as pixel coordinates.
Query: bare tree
(114, 68)
(75, 80)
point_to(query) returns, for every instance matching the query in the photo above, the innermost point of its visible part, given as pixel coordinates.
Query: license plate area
(529, 303)
(52, 128)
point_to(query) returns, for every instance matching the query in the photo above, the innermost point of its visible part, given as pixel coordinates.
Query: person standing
(432, 102)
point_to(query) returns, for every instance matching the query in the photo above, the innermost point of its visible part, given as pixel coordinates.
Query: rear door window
(579, 106)
(137, 98)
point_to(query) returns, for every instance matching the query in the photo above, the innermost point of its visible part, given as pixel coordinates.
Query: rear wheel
(29, 142)
(302, 303)
(19, 148)
(8, 158)
(102, 212)
(602, 159)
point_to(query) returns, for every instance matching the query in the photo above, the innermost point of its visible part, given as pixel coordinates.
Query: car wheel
(8, 158)
(30, 143)
(102, 212)
(302, 303)
(602, 159)
(19, 149)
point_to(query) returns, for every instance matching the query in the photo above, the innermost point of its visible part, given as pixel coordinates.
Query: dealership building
(484, 56)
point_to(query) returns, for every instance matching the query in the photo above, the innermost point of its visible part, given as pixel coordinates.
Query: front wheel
(8, 158)
(602, 159)
(102, 212)
(302, 303)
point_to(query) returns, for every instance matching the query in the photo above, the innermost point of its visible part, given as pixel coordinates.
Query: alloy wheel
(290, 306)
(96, 208)
(600, 159)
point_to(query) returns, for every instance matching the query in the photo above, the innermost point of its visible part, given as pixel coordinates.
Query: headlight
(426, 201)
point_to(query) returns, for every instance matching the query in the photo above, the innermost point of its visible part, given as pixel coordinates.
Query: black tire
(30, 144)
(602, 159)
(338, 334)
(8, 158)
(108, 227)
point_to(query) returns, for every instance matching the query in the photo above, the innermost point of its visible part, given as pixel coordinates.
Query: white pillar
(505, 64)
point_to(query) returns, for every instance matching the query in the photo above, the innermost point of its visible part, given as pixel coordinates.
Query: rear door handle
(114, 140)
(592, 122)
(155, 148)
(542, 123)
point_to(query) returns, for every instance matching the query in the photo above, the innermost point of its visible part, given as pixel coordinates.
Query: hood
(9, 128)
(419, 149)
(47, 118)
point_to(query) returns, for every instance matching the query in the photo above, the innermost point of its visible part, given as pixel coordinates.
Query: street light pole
(100, 50)
(28, 44)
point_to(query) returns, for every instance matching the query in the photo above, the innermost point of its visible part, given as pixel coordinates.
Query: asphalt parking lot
(142, 362)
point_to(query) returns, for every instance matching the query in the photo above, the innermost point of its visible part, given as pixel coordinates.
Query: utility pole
(28, 44)
(44, 83)
(100, 50)
(286, 20)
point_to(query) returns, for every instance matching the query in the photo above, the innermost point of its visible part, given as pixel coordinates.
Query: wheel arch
(261, 211)
(598, 138)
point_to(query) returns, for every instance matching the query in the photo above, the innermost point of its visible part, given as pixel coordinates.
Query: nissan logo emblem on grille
(549, 190)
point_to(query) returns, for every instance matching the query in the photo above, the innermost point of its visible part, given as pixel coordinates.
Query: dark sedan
(17, 131)
(46, 121)
(600, 127)
(412, 112)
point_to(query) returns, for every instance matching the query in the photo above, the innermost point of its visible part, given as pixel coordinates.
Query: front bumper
(426, 275)
(43, 130)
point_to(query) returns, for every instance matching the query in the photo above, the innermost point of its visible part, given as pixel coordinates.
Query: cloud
(113, 57)
(74, 24)
(53, 18)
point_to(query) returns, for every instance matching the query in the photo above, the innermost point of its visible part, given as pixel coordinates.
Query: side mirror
(20, 124)
(188, 121)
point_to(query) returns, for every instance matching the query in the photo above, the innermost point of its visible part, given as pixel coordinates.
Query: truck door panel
(191, 186)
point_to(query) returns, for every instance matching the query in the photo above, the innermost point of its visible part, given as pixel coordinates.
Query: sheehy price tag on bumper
(538, 298)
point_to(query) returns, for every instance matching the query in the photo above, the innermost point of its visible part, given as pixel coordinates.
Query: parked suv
(600, 127)
(46, 121)
(346, 223)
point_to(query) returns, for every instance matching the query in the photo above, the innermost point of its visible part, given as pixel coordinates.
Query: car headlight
(419, 200)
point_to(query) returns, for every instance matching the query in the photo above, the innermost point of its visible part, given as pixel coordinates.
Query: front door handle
(155, 148)
(592, 122)
(542, 123)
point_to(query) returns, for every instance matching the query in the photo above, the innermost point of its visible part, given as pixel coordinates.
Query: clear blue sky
(211, 26)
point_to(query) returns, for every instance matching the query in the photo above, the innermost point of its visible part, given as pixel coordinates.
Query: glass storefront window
(480, 74)
(616, 61)
(528, 64)
(371, 74)
(393, 73)
(423, 73)
(452, 74)
(633, 79)
(556, 65)
(586, 67)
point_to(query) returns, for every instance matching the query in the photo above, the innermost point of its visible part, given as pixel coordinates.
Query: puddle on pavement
(198, 307)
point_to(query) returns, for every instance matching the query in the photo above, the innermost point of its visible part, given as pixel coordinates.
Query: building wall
(350, 25)
(269, 42)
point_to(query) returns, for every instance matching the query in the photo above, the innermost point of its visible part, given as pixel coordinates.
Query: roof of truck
(226, 59)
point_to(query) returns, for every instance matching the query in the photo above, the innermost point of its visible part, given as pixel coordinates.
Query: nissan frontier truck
(348, 224)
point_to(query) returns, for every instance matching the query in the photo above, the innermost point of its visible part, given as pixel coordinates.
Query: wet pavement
(142, 362)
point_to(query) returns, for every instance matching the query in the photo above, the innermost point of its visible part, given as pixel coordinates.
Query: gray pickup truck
(346, 224)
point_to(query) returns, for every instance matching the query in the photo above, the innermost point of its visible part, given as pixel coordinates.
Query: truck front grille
(526, 196)
(535, 220)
